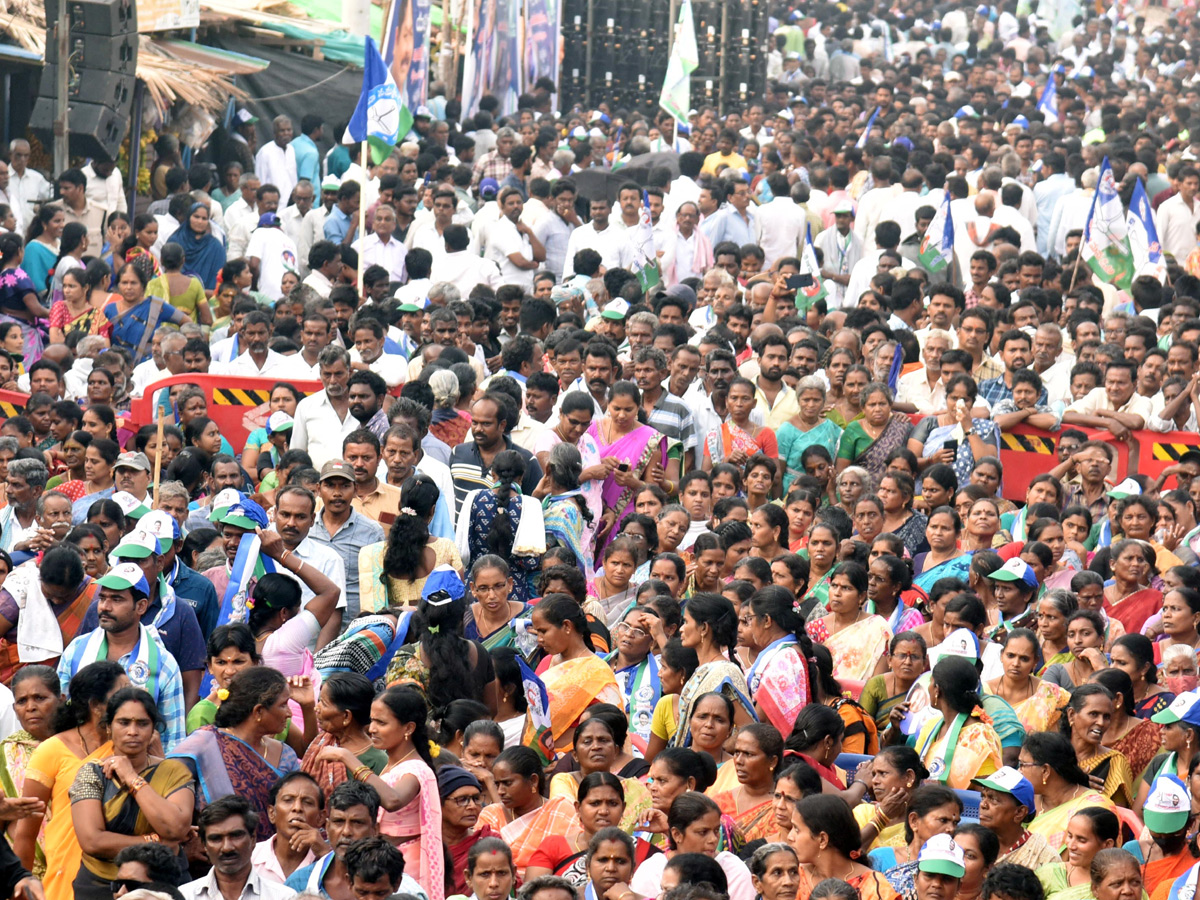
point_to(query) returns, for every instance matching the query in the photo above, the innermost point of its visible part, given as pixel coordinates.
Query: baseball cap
(131, 460)
(489, 186)
(1016, 569)
(131, 506)
(1168, 807)
(616, 309)
(578, 133)
(1184, 708)
(337, 468)
(942, 856)
(246, 514)
(268, 220)
(1127, 488)
(124, 576)
(1008, 780)
(138, 544)
(959, 642)
(443, 586)
(330, 183)
(423, 112)
(163, 526)
(221, 502)
(279, 421)
(410, 308)
(843, 208)
(245, 117)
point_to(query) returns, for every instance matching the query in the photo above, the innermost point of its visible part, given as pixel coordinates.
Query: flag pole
(1075, 268)
(362, 215)
(158, 455)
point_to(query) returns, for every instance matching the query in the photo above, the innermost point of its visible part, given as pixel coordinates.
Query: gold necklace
(391, 766)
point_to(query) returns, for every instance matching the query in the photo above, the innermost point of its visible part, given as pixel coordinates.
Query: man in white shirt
(923, 388)
(1052, 365)
(1116, 406)
(276, 161)
(323, 418)
(26, 187)
(512, 245)
(428, 232)
(367, 352)
(380, 248)
(609, 240)
(271, 253)
(462, 268)
(227, 836)
(781, 223)
(293, 222)
(104, 187)
(1178, 216)
(325, 264)
(257, 359)
(874, 206)
(267, 201)
(245, 206)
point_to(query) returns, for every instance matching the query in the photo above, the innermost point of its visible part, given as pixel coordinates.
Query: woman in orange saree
(757, 755)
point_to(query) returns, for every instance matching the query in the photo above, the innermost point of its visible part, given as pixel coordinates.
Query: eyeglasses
(469, 800)
(1028, 765)
(626, 628)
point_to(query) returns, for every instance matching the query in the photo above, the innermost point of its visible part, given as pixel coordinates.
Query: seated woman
(907, 659)
(130, 798)
(1049, 762)
(393, 573)
(1037, 702)
(954, 437)
(757, 758)
(933, 809)
(856, 639)
(1085, 641)
(238, 753)
(1093, 829)
(600, 805)
(1089, 709)
(828, 847)
(960, 745)
(895, 773)
(780, 678)
(710, 628)
(816, 738)
(597, 749)
(1138, 740)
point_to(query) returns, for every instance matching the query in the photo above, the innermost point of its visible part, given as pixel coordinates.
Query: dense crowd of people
(571, 570)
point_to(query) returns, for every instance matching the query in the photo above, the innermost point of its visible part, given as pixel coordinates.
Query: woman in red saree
(757, 755)
(462, 801)
(635, 455)
(1130, 599)
(816, 738)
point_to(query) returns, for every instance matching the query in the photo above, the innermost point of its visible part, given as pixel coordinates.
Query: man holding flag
(1105, 246)
(676, 96)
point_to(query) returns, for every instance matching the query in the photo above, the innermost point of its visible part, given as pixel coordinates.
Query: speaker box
(95, 130)
(111, 89)
(114, 53)
(96, 16)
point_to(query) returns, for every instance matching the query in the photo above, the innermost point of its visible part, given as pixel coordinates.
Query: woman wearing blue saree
(134, 317)
(203, 254)
(491, 618)
(565, 511)
(944, 559)
(976, 438)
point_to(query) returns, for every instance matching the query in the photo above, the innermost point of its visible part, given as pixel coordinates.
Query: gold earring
(1045, 778)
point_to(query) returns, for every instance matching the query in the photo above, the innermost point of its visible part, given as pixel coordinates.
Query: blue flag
(380, 118)
(537, 734)
(1143, 236)
(862, 139)
(936, 251)
(1048, 104)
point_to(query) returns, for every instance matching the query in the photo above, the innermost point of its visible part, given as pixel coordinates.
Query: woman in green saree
(489, 619)
(908, 658)
(867, 441)
(823, 543)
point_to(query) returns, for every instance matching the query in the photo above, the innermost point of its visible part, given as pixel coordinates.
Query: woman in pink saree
(640, 454)
(779, 678)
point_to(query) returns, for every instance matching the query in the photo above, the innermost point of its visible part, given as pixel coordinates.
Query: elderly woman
(868, 441)
(565, 511)
(955, 437)
(448, 423)
(809, 426)
(852, 482)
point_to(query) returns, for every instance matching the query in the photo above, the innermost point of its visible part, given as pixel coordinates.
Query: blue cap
(443, 586)
(268, 220)
(489, 186)
(246, 514)
(1010, 781)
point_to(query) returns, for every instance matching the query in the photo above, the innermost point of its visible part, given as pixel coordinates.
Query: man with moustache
(706, 397)
(343, 527)
(296, 807)
(227, 829)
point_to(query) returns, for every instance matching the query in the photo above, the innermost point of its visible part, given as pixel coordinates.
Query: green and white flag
(937, 247)
(1105, 246)
(676, 97)
(380, 118)
(645, 263)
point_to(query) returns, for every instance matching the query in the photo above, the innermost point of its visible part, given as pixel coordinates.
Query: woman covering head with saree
(575, 677)
(238, 753)
(710, 628)
(638, 452)
(866, 442)
(203, 254)
(129, 798)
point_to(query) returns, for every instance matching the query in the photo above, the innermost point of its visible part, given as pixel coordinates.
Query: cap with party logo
(1184, 708)
(1168, 807)
(245, 117)
(138, 544)
(412, 307)
(279, 421)
(123, 577)
(246, 514)
(131, 460)
(163, 526)
(330, 183)
(131, 506)
(960, 642)
(1016, 569)
(1127, 488)
(843, 208)
(269, 220)
(1008, 780)
(940, 855)
(442, 586)
(220, 504)
(616, 309)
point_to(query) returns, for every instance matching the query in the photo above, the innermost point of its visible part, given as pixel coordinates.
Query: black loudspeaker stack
(102, 65)
(627, 46)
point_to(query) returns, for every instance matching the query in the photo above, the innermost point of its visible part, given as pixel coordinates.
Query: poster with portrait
(406, 49)
(493, 65)
(542, 22)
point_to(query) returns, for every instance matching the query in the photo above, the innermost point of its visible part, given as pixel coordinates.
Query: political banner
(406, 50)
(542, 26)
(493, 64)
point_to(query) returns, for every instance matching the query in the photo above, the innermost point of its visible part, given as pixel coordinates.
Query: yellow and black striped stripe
(239, 397)
(1171, 452)
(1027, 443)
(10, 410)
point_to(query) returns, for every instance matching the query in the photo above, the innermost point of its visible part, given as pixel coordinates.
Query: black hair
(287, 779)
(1141, 648)
(716, 612)
(352, 693)
(612, 716)
(410, 533)
(438, 627)
(1078, 700)
(508, 674)
(813, 724)
(523, 761)
(682, 659)
(989, 844)
(958, 681)
(803, 776)
(560, 608)
(238, 635)
(1105, 824)
(697, 869)
(273, 592)
(1054, 749)
(831, 815)
(1013, 882)
(160, 862)
(350, 794)
(226, 808)
(925, 799)
(780, 604)
(90, 686)
(249, 689)
(683, 762)
(686, 809)
(48, 676)
(446, 722)
(509, 469)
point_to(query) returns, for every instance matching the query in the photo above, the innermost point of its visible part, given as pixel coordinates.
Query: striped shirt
(672, 417)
